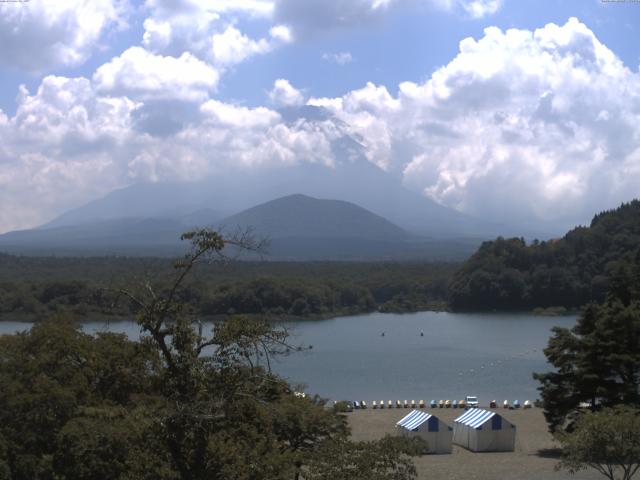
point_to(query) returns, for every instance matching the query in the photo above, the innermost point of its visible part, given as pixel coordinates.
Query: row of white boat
(433, 404)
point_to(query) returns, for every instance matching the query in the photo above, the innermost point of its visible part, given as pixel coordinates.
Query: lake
(489, 355)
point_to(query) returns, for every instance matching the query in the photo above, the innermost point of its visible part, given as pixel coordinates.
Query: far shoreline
(94, 318)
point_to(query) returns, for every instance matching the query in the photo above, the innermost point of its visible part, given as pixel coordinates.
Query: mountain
(358, 182)
(349, 176)
(301, 216)
(508, 274)
(128, 236)
(298, 227)
(301, 227)
(361, 183)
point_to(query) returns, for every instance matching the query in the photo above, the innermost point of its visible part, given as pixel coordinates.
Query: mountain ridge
(299, 228)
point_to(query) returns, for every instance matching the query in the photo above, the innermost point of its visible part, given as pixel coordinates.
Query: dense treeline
(34, 287)
(508, 274)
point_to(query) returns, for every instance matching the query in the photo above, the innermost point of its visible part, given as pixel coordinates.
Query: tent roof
(414, 420)
(475, 417)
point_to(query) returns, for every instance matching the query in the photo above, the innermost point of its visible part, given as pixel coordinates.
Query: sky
(510, 110)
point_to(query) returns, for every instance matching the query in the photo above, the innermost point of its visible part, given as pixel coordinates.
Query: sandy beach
(534, 458)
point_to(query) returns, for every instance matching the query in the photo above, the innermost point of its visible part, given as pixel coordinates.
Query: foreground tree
(386, 459)
(179, 404)
(607, 441)
(598, 361)
(228, 416)
(49, 375)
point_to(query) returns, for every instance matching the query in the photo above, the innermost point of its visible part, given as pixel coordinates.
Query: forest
(36, 287)
(504, 274)
(569, 272)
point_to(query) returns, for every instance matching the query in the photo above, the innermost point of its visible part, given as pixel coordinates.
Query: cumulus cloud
(70, 142)
(206, 30)
(518, 125)
(52, 34)
(63, 143)
(341, 58)
(140, 74)
(283, 94)
(231, 46)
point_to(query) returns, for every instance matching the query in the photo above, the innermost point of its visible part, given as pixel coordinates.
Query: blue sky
(407, 44)
(99, 94)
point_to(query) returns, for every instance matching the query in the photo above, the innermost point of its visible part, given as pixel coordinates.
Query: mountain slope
(301, 216)
(131, 236)
(568, 272)
(358, 182)
(298, 227)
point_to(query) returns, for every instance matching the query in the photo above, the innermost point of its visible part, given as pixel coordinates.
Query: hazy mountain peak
(298, 215)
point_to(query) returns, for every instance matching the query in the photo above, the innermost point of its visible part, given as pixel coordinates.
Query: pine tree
(597, 362)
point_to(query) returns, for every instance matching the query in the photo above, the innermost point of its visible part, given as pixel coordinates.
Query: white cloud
(186, 7)
(238, 116)
(520, 125)
(283, 94)
(140, 74)
(207, 30)
(232, 46)
(157, 34)
(282, 33)
(513, 127)
(481, 8)
(62, 145)
(45, 34)
(341, 58)
(69, 142)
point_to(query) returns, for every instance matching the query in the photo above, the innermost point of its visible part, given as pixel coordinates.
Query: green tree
(52, 371)
(597, 362)
(180, 403)
(607, 441)
(227, 415)
(507, 274)
(386, 459)
(111, 443)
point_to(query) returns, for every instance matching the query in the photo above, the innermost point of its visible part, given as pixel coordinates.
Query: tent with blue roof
(484, 431)
(437, 434)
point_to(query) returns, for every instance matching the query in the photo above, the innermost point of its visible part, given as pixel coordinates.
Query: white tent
(422, 424)
(484, 431)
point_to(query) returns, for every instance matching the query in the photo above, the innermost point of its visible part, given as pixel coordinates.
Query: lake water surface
(489, 355)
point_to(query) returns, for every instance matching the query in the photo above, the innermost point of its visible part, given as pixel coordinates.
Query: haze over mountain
(147, 218)
(348, 175)
(298, 227)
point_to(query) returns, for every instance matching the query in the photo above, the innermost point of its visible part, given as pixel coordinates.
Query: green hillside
(508, 274)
